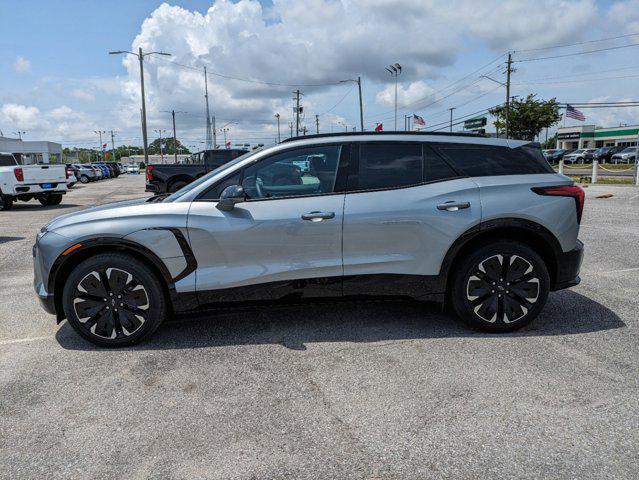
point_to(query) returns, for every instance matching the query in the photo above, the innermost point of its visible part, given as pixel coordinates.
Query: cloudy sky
(60, 84)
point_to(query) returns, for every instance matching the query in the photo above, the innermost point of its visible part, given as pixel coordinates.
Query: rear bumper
(568, 265)
(153, 187)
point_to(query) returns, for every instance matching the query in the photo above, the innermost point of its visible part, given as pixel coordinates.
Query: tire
(50, 199)
(6, 203)
(84, 179)
(508, 294)
(175, 186)
(99, 315)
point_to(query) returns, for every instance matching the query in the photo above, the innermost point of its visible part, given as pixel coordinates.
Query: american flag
(572, 112)
(417, 120)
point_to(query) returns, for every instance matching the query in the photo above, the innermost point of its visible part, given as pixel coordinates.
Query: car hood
(101, 212)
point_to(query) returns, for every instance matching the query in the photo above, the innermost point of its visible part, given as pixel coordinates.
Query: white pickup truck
(46, 183)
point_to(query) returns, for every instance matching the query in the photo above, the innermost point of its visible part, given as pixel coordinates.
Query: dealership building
(591, 136)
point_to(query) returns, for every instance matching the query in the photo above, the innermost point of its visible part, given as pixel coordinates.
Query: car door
(286, 237)
(404, 208)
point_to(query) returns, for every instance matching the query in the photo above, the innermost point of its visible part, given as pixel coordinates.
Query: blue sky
(59, 83)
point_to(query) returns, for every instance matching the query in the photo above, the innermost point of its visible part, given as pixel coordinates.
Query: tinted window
(7, 161)
(214, 192)
(435, 167)
(486, 160)
(389, 165)
(297, 172)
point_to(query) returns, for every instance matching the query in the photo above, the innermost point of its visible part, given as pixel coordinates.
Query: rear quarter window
(488, 160)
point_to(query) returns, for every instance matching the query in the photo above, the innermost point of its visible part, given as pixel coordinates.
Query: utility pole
(291, 125)
(508, 71)
(141, 56)
(297, 112)
(174, 137)
(279, 138)
(100, 132)
(451, 118)
(317, 124)
(361, 105)
(210, 141)
(159, 132)
(225, 130)
(113, 144)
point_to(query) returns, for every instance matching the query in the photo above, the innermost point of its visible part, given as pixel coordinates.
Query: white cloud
(22, 65)
(21, 116)
(83, 95)
(625, 14)
(416, 91)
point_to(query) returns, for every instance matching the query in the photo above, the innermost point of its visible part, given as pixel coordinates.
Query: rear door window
(389, 165)
(488, 160)
(7, 161)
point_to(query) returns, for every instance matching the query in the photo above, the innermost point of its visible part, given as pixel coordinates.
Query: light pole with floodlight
(395, 70)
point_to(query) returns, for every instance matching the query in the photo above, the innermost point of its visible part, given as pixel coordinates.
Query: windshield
(7, 160)
(630, 150)
(578, 151)
(187, 188)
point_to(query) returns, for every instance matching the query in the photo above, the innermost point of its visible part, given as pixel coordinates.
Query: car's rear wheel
(6, 203)
(175, 186)
(49, 199)
(500, 287)
(114, 300)
(84, 179)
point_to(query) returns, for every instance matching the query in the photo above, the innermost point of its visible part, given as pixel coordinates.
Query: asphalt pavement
(352, 389)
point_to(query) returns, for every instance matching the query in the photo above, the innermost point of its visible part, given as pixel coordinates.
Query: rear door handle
(318, 216)
(453, 206)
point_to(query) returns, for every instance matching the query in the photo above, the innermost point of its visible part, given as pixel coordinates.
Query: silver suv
(482, 223)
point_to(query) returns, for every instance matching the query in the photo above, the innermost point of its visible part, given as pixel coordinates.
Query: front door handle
(318, 216)
(453, 206)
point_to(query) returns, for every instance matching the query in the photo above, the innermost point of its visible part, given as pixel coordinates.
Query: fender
(93, 245)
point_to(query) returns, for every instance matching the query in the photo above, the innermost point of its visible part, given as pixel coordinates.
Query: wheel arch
(64, 264)
(527, 232)
(178, 178)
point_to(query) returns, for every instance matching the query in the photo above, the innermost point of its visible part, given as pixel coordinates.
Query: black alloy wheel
(500, 287)
(113, 300)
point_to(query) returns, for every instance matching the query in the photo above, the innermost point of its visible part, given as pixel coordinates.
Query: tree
(527, 117)
(550, 143)
(167, 146)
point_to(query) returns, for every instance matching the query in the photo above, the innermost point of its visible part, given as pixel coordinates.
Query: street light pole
(279, 138)
(451, 118)
(141, 56)
(100, 132)
(361, 102)
(159, 132)
(395, 70)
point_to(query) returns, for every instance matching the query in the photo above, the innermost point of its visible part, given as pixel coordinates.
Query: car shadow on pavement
(37, 206)
(369, 320)
(10, 239)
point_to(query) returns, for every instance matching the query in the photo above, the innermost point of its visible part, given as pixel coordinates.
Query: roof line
(374, 134)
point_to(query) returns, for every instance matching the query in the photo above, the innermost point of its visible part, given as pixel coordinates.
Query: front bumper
(46, 249)
(568, 265)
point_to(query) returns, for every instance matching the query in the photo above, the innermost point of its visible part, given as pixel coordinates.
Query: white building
(155, 159)
(591, 136)
(28, 152)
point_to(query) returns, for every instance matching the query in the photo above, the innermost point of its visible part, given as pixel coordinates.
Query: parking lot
(351, 389)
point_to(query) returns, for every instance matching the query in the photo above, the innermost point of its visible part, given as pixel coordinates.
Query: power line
(577, 53)
(577, 43)
(585, 80)
(248, 80)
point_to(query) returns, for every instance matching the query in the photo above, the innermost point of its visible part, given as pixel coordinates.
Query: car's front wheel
(114, 300)
(500, 287)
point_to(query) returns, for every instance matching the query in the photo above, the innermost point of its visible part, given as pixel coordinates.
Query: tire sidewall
(154, 289)
(458, 293)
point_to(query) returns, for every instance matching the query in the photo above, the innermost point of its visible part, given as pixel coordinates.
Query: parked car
(45, 183)
(99, 174)
(413, 214)
(583, 155)
(604, 154)
(85, 173)
(627, 155)
(71, 175)
(554, 155)
(133, 169)
(106, 173)
(162, 178)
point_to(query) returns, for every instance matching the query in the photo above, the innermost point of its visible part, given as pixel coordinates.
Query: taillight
(574, 191)
(68, 172)
(19, 173)
(149, 173)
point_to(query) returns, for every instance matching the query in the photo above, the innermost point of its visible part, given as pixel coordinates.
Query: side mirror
(230, 196)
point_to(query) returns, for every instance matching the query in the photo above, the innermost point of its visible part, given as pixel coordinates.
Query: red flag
(104, 145)
(379, 127)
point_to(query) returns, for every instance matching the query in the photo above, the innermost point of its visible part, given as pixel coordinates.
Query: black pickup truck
(170, 178)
